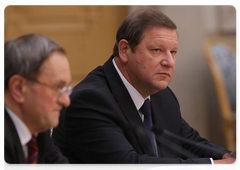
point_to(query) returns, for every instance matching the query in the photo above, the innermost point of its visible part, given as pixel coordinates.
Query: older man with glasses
(37, 73)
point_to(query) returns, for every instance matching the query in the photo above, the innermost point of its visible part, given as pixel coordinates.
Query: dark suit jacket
(13, 152)
(102, 125)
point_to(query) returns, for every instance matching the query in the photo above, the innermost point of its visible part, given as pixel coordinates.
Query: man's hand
(236, 152)
(227, 158)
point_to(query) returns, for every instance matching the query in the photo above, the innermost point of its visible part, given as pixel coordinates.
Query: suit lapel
(20, 153)
(164, 112)
(158, 111)
(13, 140)
(127, 106)
(166, 109)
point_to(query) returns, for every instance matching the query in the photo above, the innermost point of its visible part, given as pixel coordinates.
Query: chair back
(221, 59)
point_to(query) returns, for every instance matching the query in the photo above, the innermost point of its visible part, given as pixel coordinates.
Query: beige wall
(86, 32)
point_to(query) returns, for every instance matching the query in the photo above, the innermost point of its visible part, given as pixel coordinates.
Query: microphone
(166, 143)
(164, 132)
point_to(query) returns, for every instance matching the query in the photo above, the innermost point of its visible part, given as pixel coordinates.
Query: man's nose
(168, 60)
(64, 100)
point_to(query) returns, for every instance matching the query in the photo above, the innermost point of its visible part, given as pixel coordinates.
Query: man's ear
(16, 87)
(123, 47)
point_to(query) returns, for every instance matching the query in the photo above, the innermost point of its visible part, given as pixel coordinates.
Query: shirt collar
(22, 130)
(135, 95)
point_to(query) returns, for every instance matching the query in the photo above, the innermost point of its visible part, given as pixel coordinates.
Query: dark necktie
(146, 111)
(32, 151)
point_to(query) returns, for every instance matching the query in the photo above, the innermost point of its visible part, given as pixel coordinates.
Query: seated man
(36, 74)
(114, 108)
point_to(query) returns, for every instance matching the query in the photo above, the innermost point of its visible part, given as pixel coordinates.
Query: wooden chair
(221, 59)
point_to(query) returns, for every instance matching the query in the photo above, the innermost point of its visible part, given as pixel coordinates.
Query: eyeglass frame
(65, 89)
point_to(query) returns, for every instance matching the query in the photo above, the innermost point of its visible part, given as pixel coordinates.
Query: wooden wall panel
(86, 32)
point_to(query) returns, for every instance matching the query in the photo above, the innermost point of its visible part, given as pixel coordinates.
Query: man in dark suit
(106, 121)
(36, 73)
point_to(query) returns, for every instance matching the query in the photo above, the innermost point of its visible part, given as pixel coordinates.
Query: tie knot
(146, 108)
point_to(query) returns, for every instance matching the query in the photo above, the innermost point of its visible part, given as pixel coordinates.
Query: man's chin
(55, 124)
(157, 89)
(162, 88)
(162, 85)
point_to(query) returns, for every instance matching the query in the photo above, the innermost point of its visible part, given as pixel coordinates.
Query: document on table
(198, 167)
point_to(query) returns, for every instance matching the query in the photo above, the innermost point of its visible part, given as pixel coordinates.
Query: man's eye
(156, 50)
(58, 87)
(173, 52)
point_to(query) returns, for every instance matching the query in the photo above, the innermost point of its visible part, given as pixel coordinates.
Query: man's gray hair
(24, 56)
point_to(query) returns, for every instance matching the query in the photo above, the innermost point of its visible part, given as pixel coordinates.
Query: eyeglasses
(62, 91)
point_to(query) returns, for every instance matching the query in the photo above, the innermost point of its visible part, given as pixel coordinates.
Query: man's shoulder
(12, 145)
(98, 79)
(5, 121)
(94, 80)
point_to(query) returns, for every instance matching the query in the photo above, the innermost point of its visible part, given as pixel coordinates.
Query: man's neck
(11, 104)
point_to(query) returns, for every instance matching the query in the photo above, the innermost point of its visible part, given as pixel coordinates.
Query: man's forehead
(160, 36)
(56, 70)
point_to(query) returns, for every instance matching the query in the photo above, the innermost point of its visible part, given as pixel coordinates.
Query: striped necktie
(146, 111)
(32, 151)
